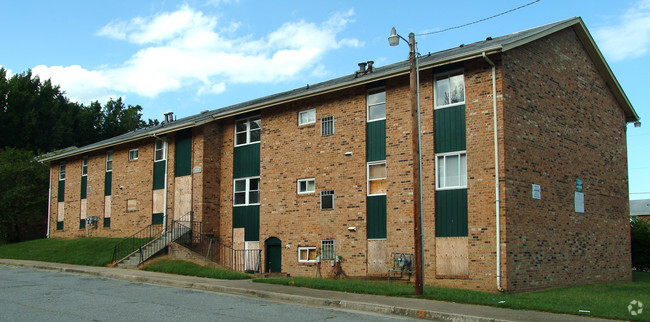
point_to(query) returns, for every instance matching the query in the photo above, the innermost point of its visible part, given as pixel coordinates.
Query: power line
(477, 21)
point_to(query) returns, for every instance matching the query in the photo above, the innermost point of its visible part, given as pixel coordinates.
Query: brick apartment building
(327, 169)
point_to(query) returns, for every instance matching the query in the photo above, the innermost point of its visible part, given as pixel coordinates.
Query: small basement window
(307, 254)
(327, 249)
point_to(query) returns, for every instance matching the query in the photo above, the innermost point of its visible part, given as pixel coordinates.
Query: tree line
(35, 118)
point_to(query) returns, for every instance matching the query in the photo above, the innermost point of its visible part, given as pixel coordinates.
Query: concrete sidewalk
(416, 308)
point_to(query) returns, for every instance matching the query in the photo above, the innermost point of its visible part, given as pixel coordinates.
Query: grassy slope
(92, 251)
(608, 300)
(182, 267)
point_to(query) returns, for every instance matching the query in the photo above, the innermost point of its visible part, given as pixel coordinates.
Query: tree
(36, 117)
(23, 195)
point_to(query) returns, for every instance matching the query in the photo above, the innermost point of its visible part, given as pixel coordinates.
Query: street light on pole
(393, 40)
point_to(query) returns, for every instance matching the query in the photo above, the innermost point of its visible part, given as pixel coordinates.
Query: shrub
(640, 231)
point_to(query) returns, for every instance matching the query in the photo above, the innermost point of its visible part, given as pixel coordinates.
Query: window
(376, 105)
(327, 126)
(109, 161)
(306, 185)
(247, 131)
(307, 117)
(452, 170)
(62, 171)
(133, 154)
(327, 199)
(131, 205)
(377, 178)
(247, 191)
(84, 166)
(450, 89)
(161, 151)
(307, 254)
(327, 249)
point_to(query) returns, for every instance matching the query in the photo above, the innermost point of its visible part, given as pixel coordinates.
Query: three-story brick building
(327, 169)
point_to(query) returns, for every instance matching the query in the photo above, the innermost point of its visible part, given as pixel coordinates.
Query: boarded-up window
(131, 205)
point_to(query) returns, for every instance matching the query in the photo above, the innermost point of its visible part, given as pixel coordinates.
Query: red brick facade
(557, 121)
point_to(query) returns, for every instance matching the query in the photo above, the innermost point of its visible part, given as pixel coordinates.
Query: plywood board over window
(132, 205)
(452, 259)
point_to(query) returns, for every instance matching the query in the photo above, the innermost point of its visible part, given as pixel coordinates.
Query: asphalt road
(32, 295)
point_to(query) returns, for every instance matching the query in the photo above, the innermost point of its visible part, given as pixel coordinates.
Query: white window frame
(374, 91)
(109, 161)
(306, 181)
(376, 179)
(322, 193)
(247, 192)
(308, 112)
(62, 171)
(309, 249)
(324, 120)
(448, 76)
(131, 152)
(326, 243)
(84, 166)
(248, 130)
(461, 175)
(163, 149)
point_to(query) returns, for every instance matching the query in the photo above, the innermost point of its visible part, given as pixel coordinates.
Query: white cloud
(187, 48)
(630, 37)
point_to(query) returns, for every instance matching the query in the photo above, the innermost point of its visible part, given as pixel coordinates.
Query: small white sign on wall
(537, 191)
(579, 201)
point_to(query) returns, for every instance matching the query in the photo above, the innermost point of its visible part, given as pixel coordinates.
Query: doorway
(273, 255)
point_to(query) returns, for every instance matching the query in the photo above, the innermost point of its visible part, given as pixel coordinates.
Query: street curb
(123, 274)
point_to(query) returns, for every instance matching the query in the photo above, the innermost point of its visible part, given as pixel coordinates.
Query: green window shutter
(108, 180)
(183, 160)
(59, 225)
(376, 213)
(82, 223)
(61, 193)
(449, 129)
(246, 161)
(376, 141)
(159, 169)
(247, 217)
(157, 219)
(451, 213)
(84, 184)
(107, 222)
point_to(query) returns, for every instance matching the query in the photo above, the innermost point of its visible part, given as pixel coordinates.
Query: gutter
(49, 205)
(497, 205)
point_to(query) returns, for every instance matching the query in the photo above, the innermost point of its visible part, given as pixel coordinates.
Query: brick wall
(562, 123)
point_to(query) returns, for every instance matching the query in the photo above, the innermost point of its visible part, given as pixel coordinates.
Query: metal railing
(213, 249)
(151, 239)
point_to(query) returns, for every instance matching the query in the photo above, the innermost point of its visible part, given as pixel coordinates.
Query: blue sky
(190, 56)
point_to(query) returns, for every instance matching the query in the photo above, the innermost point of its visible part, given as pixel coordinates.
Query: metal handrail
(147, 235)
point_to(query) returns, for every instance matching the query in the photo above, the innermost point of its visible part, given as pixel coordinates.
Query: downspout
(49, 205)
(496, 173)
(164, 182)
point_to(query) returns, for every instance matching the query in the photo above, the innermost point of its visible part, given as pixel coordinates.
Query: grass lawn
(93, 251)
(182, 267)
(608, 300)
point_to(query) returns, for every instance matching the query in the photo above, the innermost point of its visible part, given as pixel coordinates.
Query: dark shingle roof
(430, 60)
